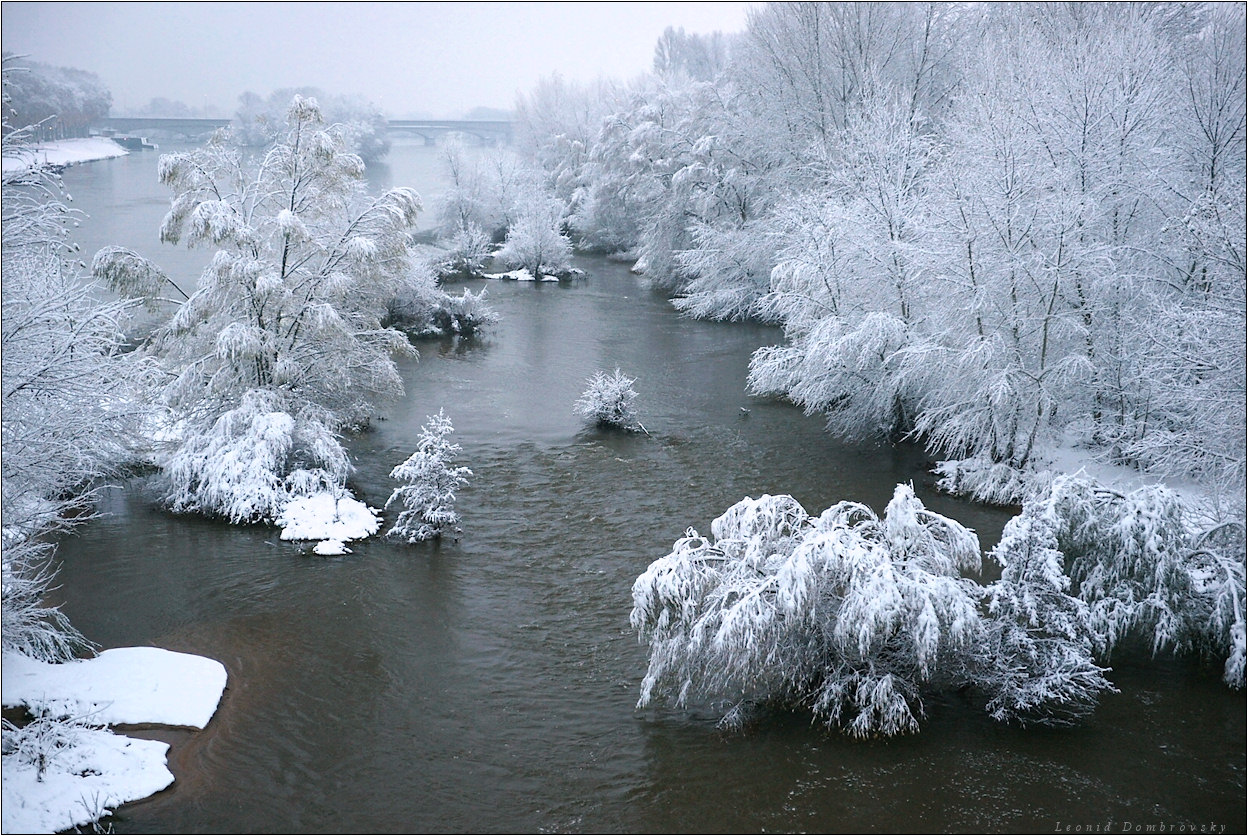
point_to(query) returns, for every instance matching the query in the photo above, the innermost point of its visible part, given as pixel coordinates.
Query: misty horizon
(424, 60)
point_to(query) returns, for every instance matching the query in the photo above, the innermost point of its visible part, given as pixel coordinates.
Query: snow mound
(125, 685)
(323, 516)
(520, 275)
(64, 152)
(89, 776)
(329, 548)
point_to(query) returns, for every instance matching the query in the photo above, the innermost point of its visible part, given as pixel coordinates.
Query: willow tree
(281, 346)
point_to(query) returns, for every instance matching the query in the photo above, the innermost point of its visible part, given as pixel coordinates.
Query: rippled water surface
(489, 685)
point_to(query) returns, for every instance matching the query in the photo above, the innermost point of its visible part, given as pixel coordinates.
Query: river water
(489, 684)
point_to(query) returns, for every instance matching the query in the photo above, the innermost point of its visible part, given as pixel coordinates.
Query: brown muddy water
(489, 685)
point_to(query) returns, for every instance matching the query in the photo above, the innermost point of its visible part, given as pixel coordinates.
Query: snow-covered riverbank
(64, 767)
(64, 152)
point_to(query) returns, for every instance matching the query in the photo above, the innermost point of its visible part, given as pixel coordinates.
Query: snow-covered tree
(463, 315)
(70, 394)
(282, 344)
(1039, 651)
(467, 248)
(431, 479)
(261, 122)
(1143, 572)
(535, 240)
(52, 102)
(847, 615)
(609, 400)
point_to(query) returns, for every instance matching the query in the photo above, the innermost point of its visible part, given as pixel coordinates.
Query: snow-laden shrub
(255, 459)
(984, 480)
(1145, 573)
(428, 497)
(467, 249)
(846, 615)
(40, 743)
(463, 315)
(608, 401)
(729, 271)
(28, 624)
(845, 369)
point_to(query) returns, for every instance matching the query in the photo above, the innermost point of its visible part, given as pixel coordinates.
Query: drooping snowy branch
(846, 615)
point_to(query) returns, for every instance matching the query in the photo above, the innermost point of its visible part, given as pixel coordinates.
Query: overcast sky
(437, 58)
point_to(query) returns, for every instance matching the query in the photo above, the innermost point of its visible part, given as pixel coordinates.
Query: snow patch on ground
(326, 517)
(125, 685)
(88, 777)
(1069, 457)
(64, 152)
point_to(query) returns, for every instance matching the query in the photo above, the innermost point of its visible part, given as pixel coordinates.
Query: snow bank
(86, 779)
(519, 275)
(65, 152)
(61, 773)
(329, 548)
(125, 685)
(324, 516)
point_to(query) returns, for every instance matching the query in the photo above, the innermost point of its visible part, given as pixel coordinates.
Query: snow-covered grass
(332, 518)
(123, 685)
(61, 775)
(63, 769)
(65, 152)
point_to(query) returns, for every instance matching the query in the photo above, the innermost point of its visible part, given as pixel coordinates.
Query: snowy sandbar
(125, 685)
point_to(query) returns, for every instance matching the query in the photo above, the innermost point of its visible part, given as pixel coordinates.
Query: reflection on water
(489, 685)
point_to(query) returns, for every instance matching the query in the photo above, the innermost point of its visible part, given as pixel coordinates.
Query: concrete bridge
(488, 132)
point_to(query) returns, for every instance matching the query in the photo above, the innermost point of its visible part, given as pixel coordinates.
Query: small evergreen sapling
(428, 496)
(608, 401)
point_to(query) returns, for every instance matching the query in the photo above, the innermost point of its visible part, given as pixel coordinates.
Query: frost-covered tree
(847, 615)
(1038, 663)
(535, 240)
(282, 345)
(466, 250)
(430, 480)
(70, 394)
(690, 56)
(261, 122)
(609, 400)
(53, 102)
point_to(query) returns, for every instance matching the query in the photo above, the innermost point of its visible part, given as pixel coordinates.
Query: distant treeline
(56, 102)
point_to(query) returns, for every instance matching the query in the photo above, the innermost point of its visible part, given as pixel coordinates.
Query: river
(489, 684)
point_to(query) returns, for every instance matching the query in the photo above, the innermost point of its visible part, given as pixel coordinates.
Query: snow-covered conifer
(431, 479)
(1038, 661)
(609, 401)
